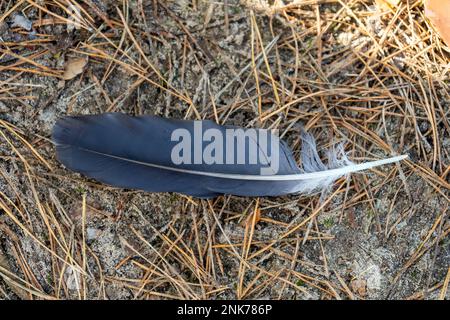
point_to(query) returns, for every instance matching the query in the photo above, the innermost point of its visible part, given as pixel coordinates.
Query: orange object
(438, 11)
(74, 67)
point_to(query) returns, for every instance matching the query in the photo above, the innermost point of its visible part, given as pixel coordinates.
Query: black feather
(84, 141)
(135, 152)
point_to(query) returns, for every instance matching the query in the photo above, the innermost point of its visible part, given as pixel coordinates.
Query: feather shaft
(286, 177)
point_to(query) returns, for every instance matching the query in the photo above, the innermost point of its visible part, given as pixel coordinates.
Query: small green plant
(300, 283)
(49, 279)
(328, 222)
(80, 190)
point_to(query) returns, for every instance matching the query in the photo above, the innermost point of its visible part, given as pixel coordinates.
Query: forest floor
(371, 74)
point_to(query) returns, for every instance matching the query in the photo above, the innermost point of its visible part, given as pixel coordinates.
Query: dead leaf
(359, 286)
(257, 218)
(74, 67)
(256, 215)
(438, 11)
